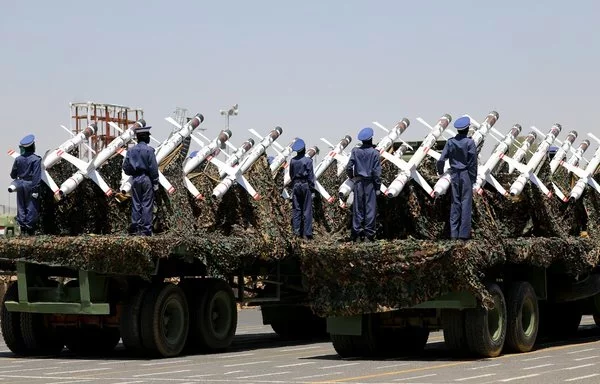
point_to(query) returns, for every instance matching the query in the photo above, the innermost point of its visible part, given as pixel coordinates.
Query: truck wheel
(40, 338)
(304, 325)
(453, 323)
(92, 341)
(130, 322)
(164, 320)
(214, 316)
(596, 309)
(344, 345)
(560, 320)
(522, 317)
(10, 323)
(486, 330)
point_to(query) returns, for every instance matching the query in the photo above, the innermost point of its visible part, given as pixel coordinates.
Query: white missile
(443, 183)
(237, 173)
(573, 161)
(484, 172)
(408, 170)
(281, 158)
(90, 170)
(384, 144)
(562, 151)
(522, 150)
(336, 153)
(529, 170)
(310, 153)
(237, 156)
(206, 153)
(586, 176)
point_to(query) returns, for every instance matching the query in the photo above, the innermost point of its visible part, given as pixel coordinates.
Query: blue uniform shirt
(140, 160)
(365, 162)
(301, 168)
(461, 151)
(28, 167)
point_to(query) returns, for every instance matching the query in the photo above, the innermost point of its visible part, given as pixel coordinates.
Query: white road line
(475, 377)
(580, 366)
(74, 361)
(416, 377)
(485, 366)
(586, 358)
(314, 376)
(391, 366)
(162, 373)
(249, 363)
(164, 362)
(232, 372)
(204, 375)
(537, 366)
(128, 382)
(338, 365)
(300, 348)
(295, 365)
(583, 377)
(78, 371)
(117, 362)
(581, 350)
(27, 369)
(73, 381)
(238, 355)
(537, 358)
(264, 374)
(519, 378)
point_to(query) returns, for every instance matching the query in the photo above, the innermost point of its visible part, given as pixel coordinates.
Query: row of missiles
(232, 170)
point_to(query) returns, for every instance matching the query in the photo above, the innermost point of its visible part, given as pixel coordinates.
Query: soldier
(140, 162)
(26, 174)
(461, 151)
(364, 168)
(302, 178)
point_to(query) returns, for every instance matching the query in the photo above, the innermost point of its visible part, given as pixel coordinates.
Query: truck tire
(596, 309)
(303, 325)
(214, 316)
(130, 322)
(164, 320)
(366, 344)
(40, 338)
(11, 323)
(92, 341)
(453, 324)
(522, 317)
(486, 330)
(560, 321)
(344, 345)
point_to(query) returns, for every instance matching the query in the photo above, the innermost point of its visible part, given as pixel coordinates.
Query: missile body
(237, 156)
(245, 164)
(331, 156)
(530, 169)
(443, 183)
(574, 159)
(206, 151)
(53, 157)
(401, 150)
(409, 170)
(522, 151)
(281, 157)
(384, 144)
(562, 151)
(310, 153)
(484, 173)
(588, 178)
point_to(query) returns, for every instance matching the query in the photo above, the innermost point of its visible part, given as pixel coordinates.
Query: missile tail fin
(421, 181)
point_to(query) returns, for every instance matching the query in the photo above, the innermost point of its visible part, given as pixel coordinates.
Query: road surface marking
(232, 372)
(230, 356)
(295, 365)
(204, 375)
(582, 350)
(264, 374)
(394, 373)
(338, 365)
(164, 362)
(580, 366)
(129, 382)
(475, 377)
(118, 362)
(74, 361)
(27, 369)
(538, 358)
(78, 371)
(392, 366)
(586, 358)
(519, 378)
(73, 381)
(301, 348)
(321, 375)
(249, 363)
(583, 377)
(161, 373)
(416, 377)
(538, 366)
(485, 366)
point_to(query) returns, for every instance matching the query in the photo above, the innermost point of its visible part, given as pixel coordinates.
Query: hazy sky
(315, 68)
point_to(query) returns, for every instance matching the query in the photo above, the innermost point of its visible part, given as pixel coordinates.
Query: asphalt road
(258, 356)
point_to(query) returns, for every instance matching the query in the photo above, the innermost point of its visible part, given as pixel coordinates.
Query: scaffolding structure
(83, 114)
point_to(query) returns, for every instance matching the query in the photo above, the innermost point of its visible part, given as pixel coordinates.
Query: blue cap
(298, 145)
(552, 149)
(462, 123)
(270, 159)
(27, 141)
(142, 129)
(365, 134)
(193, 154)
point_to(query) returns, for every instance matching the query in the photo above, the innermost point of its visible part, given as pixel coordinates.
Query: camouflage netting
(412, 263)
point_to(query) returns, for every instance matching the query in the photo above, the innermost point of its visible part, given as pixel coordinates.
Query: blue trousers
(462, 205)
(27, 206)
(143, 204)
(364, 209)
(302, 209)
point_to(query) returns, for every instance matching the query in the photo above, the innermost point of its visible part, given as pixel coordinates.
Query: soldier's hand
(35, 195)
(312, 195)
(155, 187)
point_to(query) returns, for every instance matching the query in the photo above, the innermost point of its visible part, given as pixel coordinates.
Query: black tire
(596, 309)
(214, 316)
(130, 326)
(453, 323)
(344, 345)
(304, 325)
(11, 323)
(486, 330)
(560, 321)
(596, 320)
(40, 338)
(364, 345)
(165, 320)
(92, 341)
(523, 317)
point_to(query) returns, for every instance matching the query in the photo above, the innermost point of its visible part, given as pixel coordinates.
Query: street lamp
(233, 111)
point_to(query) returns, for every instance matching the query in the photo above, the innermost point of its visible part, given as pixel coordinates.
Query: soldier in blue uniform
(461, 151)
(302, 177)
(364, 168)
(140, 162)
(26, 174)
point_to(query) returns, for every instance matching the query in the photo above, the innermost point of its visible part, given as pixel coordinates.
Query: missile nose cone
(251, 141)
(405, 121)
(348, 138)
(227, 133)
(447, 117)
(574, 134)
(200, 117)
(93, 127)
(317, 150)
(141, 122)
(495, 114)
(518, 126)
(279, 130)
